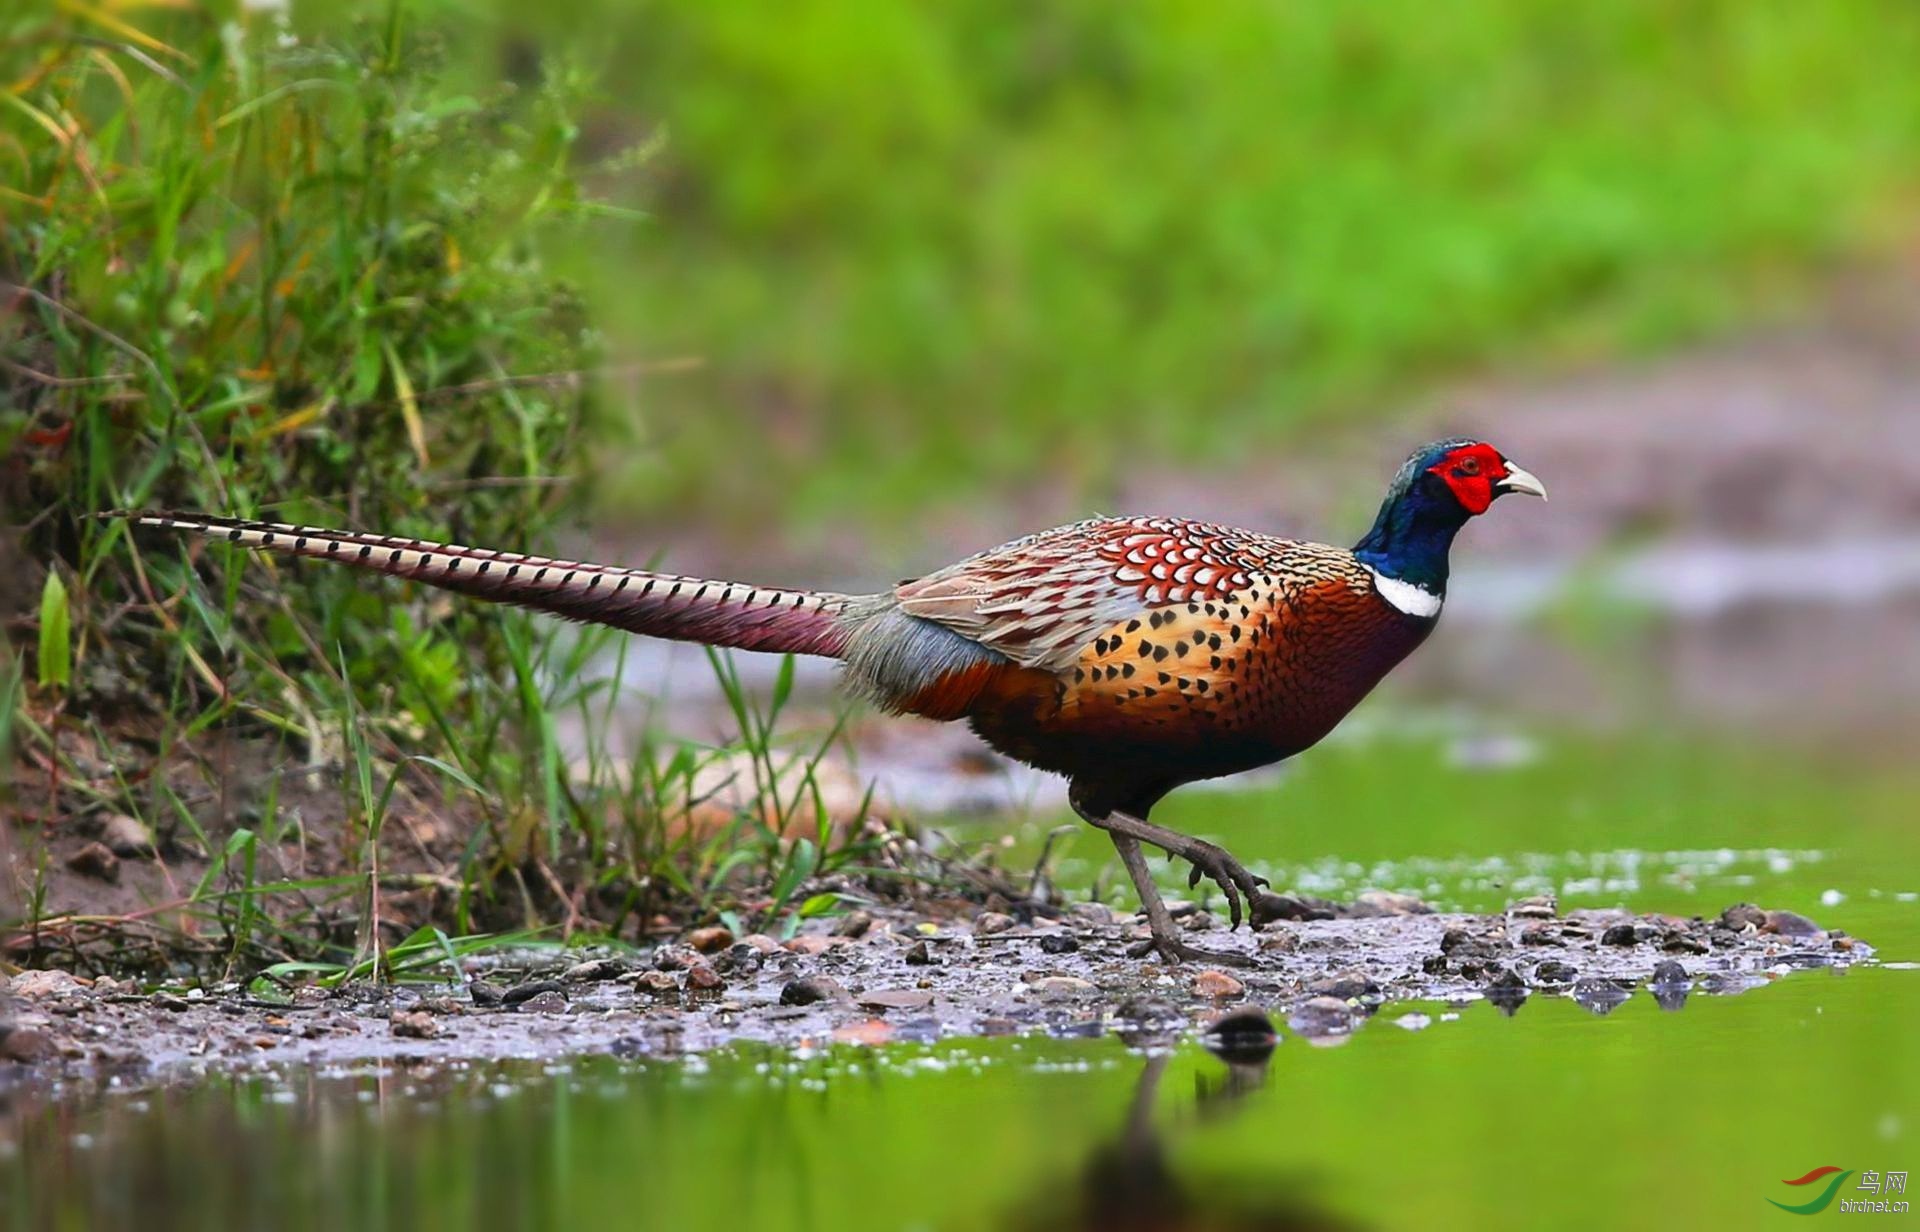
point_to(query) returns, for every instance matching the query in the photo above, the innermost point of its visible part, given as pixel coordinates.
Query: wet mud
(899, 975)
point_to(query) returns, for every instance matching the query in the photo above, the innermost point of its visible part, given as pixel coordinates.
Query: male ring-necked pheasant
(1131, 655)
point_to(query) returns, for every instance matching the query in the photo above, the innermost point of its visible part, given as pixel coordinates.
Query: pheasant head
(1432, 496)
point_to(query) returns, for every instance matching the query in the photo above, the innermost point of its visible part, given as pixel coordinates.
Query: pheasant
(1130, 655)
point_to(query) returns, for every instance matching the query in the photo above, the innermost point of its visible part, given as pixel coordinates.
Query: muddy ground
(872, 978)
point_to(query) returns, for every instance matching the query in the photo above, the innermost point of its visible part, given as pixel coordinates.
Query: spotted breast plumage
(1131, 655)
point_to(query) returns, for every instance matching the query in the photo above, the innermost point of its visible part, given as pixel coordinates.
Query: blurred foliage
(281, 278)
(933, 249)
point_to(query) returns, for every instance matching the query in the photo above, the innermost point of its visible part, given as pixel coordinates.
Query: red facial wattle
(1470, 473)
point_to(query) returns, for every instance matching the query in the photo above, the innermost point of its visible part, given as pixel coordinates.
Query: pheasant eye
(1468, 466)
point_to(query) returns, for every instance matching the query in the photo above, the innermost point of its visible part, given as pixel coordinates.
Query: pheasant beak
(1521, 480)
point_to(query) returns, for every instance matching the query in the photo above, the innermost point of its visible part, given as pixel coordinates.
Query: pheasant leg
(1208, 859)
(1165, 939)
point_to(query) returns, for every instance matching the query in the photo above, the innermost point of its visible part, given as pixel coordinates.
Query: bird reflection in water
(1127, 1184)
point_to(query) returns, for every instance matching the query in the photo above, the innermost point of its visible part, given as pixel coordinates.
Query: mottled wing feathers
(1042, 600)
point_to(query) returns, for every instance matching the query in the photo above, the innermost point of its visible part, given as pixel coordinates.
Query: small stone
(761, 942)
(1537, 907)
(594, 969)
(1791, 924)
(1058, 943)
(811, 990)
(484, 994)
(808, 944)
(919, 954)
(96, 861)
(1553, 971)
(25, 1044)
(1373, 904)
(855, 924)
(1539, 934)
(710, 940)
(896, 999)
(520, 994)
(659, 983)
(1098, 915)
(127, 837)
(1620, 934)
(171, 1002)
(1063, 988)
(1319, 1016)
(1243, 1035)
(1677, 942)
(1280, 941)
(1744, 916)
(1217, 986)
(1600, 997)
(414, 1024)
(987, 923)
(1669, 974)
(1347, 986)
(704, 979)
(32, 985)
(548, 1001)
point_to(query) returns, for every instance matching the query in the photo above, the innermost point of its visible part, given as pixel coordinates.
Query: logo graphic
(1816, 1205)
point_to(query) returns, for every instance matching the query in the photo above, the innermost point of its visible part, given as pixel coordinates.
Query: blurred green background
(928, 252)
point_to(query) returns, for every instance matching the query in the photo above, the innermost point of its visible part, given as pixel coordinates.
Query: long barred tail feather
(667, 605)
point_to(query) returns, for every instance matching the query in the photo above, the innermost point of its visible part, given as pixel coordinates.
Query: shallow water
(1554, 1116)
(1684, 1112)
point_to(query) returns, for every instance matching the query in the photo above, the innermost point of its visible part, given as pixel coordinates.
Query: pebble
(811, 990)
(414, 1024)
(1537, 907)
(1321, 1016)
(594, 969)
(549, 1001)
(896, 999)
(1600, 996)
(1620, 934)
(854, 925)
(761, 942)
(484, 994)
(1280, 941)
(520, 994)
(704, 979)
(96, 861)
(1791, 924)
(1372, 904)
(127, 837)
(172, 1002)
(809, 944)
(1348, 986)
(919, 954)
(709, 940)
(1669, 974)
(1241, 1035)
(1743, 916)
(987, 923)
(1058, 943)
(658, 983)
(30, 985)
(1062, 988)
(25, 1044)
(1553, 971)
(1217, 986)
